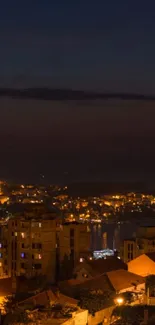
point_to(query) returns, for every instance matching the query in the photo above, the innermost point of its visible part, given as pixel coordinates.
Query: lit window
(0, 245)
(22, 234)
(85, 275)
(81, 259)
(39, 224)
(22, 255)
(15, 234)
(0, 255)
(0, 264)
(37, 256)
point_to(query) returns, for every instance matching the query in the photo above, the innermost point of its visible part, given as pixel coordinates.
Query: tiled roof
(122, 279)
(100, 266)
(48, 296)
(100, 282)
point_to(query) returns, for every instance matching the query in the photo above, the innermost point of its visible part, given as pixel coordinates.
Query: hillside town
(49, 271)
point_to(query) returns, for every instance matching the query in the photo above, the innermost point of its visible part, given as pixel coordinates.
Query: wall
(103, 315)
(151, 301)
(139, 287)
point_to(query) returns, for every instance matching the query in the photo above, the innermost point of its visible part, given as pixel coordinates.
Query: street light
(119, 301)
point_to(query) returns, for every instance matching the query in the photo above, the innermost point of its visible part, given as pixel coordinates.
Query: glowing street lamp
(119, 301)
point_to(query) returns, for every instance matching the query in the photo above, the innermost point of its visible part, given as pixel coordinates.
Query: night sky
(103, 46)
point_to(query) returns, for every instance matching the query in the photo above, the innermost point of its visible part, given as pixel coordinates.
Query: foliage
(16, 318)
(134, 314)
(129, 313)
(94, 302)
(151, 321)
(11, 302)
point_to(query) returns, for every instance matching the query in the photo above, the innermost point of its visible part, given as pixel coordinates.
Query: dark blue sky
(103, 45)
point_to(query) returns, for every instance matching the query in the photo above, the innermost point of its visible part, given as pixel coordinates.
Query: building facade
(73, 240)
(143, 242)
(34, 247)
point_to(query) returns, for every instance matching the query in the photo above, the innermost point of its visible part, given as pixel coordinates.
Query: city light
(119, 300)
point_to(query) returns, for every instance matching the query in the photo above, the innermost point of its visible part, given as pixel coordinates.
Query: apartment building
(34, 247)
(143, 242)
(73, 240)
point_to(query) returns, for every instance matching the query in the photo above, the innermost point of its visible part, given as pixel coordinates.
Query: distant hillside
(66, 94)
(102, 188)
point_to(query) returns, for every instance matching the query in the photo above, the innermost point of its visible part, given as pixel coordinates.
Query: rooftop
(102, 265)
(122, 279)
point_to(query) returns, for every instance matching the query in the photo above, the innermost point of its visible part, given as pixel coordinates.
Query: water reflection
(115, 234)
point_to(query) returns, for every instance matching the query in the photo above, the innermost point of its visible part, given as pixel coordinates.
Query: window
(22, 245)
(22, 255)
(22, 265)
(23, 235)
(36, 256)
(0, 255)
(0, 245)
(36, 245)
(0, 264)
(131, 247)
(128, 256)
(131, 256)
(14, 233)
(36, 224)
